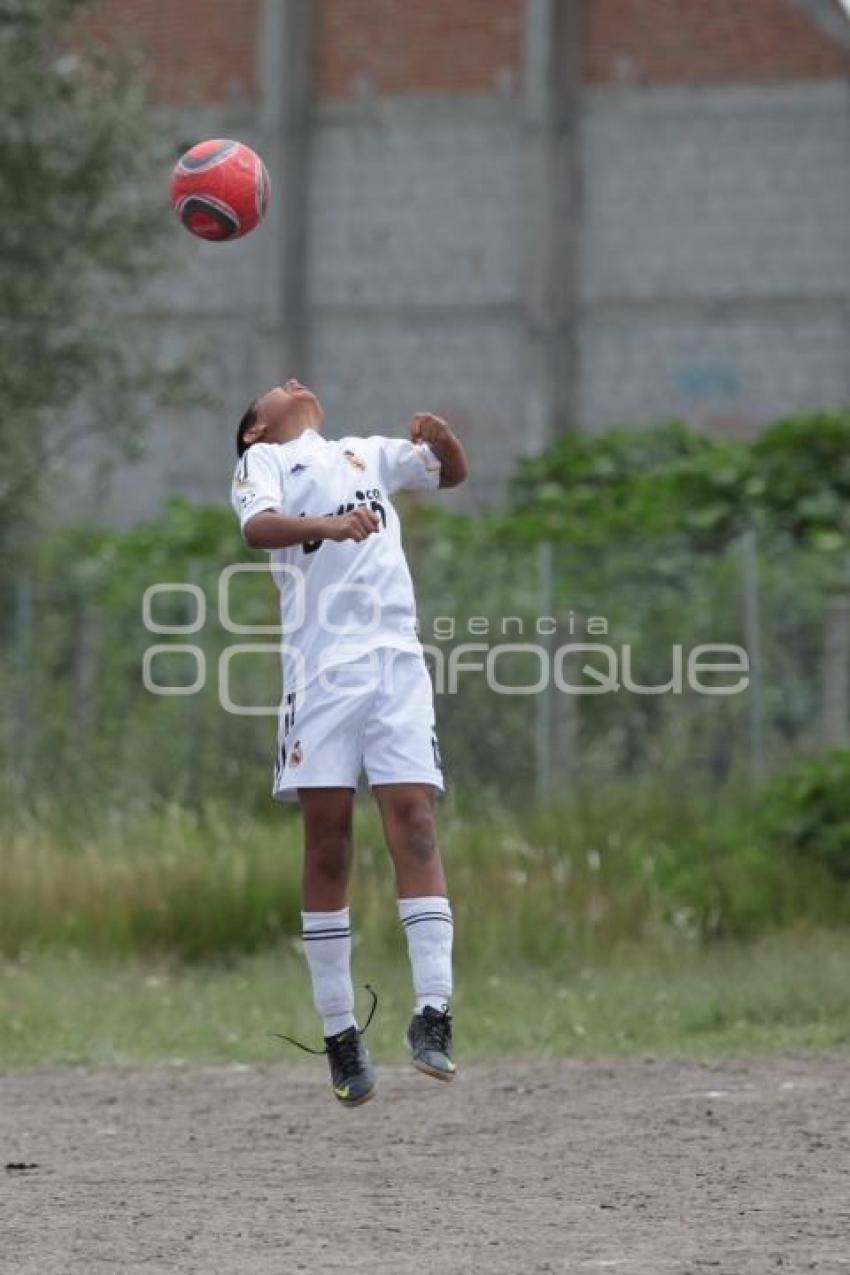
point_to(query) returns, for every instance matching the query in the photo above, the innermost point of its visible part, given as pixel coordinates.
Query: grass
(623, 922)
(615, 868)
(789, 991)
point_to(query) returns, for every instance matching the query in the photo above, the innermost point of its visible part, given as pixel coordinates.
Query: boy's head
(279, 415)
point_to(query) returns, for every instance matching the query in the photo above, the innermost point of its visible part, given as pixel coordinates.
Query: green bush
(808, 811)
(642, 528)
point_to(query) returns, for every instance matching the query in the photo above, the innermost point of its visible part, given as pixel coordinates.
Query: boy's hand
(425, 428)
(356, 525)
(433, 430)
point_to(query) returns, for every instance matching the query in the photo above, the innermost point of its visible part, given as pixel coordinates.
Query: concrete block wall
(416, 264)
(416, 221)
(206, 310)
(712, 274)
(200, 51)
(715, 252)
(709, 42)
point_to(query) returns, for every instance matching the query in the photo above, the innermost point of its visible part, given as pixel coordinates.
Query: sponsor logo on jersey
(370, 499)
(357, 462)
(297, 469)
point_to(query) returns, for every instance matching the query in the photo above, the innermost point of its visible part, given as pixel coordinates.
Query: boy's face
(285, 404)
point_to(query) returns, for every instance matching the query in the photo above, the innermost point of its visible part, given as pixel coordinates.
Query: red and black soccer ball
(220, 189)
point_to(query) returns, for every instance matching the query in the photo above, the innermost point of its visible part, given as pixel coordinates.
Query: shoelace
(344, 1045)
(438, 1028)
(344, 1053)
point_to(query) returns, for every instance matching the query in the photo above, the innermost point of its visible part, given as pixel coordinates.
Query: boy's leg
(326, 928)
(319, 760)
(407, 812)
(327, 815)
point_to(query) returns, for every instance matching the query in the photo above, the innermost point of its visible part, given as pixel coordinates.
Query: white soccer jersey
(338, 600)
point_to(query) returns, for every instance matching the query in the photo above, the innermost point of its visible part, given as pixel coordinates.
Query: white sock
(428, 925)
(327, 946)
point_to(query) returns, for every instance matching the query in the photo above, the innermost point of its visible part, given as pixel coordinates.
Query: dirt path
(639, 1168)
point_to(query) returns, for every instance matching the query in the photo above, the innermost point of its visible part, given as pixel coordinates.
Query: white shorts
(376, 712)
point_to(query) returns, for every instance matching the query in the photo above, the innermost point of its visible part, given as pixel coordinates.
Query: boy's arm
(269, 530)
(425, 428)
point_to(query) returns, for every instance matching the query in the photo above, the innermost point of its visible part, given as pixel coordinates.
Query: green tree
(82, 220)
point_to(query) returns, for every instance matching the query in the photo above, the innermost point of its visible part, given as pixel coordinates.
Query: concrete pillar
(835, 713)
(285, 72)
(565, 719)
(551, 120)
(85, 675)
(551, 108)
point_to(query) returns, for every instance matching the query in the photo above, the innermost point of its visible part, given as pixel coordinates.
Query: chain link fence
(548, 678)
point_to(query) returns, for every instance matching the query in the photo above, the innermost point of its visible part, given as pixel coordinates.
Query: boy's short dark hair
(249, 419)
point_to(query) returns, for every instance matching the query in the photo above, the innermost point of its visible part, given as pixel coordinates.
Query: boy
(356, 692)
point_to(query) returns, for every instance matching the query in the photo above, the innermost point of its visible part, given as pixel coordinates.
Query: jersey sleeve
(256, 485)
(407, 466)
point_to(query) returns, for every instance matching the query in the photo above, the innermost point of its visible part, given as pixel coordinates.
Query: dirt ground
(639, 1168)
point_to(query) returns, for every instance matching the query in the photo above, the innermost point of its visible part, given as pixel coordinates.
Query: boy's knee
(329, 855)
(415, 825)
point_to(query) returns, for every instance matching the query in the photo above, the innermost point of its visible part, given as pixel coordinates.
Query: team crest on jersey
(297, 755)
(356, 462)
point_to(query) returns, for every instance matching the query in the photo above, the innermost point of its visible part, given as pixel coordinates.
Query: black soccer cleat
(352, 1076)
(429, 1039)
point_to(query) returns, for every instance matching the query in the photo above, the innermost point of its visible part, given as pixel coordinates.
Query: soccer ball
(220, 189)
